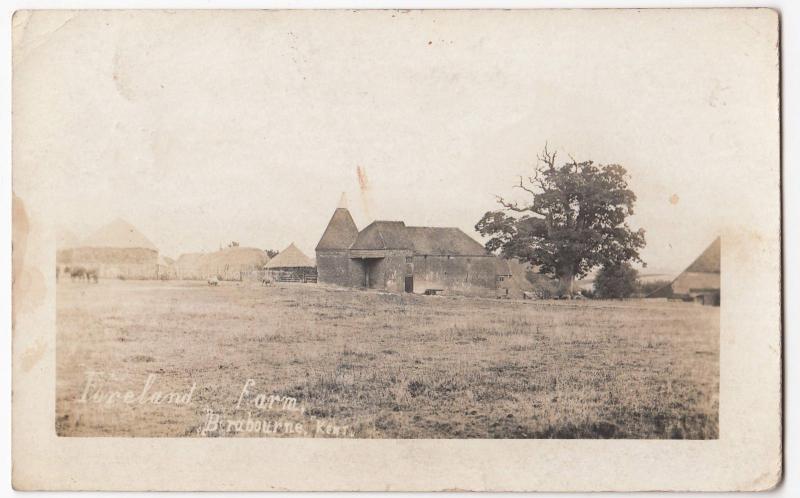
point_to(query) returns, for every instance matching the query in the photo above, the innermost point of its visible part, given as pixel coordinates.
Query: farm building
(392, 256)
(291, 265)
(333, 249)
(117, 250)
(700, 281)
(232, 263)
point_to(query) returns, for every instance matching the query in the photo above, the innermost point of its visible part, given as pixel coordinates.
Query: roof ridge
(436, 228)
(686, 269)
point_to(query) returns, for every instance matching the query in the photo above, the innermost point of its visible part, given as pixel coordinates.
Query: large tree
(574, 219)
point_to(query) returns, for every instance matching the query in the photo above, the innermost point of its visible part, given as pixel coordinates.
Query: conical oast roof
(120, 234)
(341, 231)
(291, 257)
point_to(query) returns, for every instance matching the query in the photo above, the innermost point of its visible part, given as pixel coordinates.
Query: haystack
(232, 263)
(119, 234)
(117, 250)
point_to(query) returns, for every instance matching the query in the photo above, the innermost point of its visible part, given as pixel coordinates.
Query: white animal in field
(213, 281)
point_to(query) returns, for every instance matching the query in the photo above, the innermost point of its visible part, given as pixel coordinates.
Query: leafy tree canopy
(616, 281)
(573, 221)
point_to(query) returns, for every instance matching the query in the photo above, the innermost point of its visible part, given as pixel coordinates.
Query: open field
(368, 364)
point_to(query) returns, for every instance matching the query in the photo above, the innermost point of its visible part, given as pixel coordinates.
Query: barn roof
(434, 241)
(380, 235)
(444, 241)
(702, 273)
(340, 233)
(291, 257)
(708, 261)
(119, 234)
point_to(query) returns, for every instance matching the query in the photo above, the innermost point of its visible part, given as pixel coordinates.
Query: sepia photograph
(526, 285)
(399, 225)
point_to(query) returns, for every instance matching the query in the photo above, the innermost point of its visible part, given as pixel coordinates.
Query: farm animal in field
(266, 281)
(214, 281)
(92, 275)
(77, 273)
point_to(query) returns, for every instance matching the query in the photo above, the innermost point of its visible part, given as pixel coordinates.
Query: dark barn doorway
(409, 283)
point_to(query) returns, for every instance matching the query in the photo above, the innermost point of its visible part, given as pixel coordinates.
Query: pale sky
(202, 128)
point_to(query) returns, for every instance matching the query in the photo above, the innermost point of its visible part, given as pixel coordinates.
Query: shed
(291, 265)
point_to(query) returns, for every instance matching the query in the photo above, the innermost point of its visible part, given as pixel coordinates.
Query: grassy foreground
(321, 362)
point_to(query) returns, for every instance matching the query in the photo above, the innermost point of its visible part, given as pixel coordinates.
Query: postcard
(426, 250)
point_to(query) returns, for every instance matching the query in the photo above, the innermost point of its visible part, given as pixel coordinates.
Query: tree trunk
(566, 283)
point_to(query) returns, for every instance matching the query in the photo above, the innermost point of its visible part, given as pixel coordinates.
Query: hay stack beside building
(117, 250)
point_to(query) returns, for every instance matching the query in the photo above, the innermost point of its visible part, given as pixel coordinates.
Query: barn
(117, 250)
(291, 265)
(700, 281)
(391, 256)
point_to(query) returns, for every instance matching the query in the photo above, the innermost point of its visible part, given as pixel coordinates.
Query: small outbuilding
(291, 265)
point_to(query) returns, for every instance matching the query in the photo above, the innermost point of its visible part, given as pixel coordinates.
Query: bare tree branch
(538, 180)
(526, 189)
(549, 159)
(513, 206)
(573, 159)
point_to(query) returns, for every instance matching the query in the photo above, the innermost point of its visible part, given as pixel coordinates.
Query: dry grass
(389, 366)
